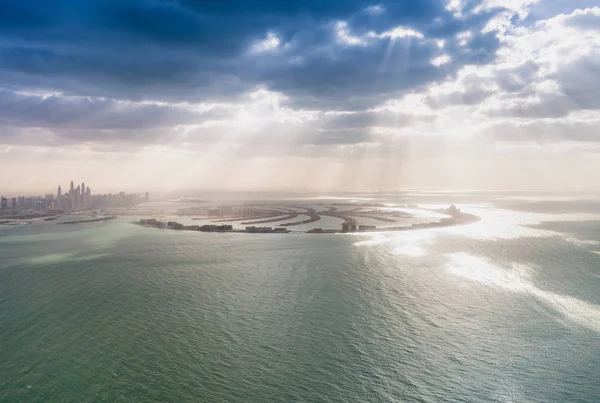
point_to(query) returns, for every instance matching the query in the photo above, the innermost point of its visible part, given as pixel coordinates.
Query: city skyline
(57, 190)
(74, 199)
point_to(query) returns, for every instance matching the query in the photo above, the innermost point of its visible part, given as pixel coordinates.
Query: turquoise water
(504, 310)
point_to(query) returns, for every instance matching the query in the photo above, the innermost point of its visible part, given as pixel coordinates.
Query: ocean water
(503, 310)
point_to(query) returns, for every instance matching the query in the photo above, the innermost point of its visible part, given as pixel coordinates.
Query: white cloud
(455, 6)
(540, 89)
(346, 38)
(401, 32)
(518, 7)
(375, 9)
(463, 37)
(503, 21)
(441, 60)
(269, 44)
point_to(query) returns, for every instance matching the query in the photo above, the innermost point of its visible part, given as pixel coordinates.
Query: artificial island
(253, 217)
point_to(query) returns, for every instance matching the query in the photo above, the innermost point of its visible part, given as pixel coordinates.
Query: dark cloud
(199, 50)
(579, 82)
(57, 120)
(548, 107)
(517, 78)
(475, 91)
(97, 54)
(468, 97)
(102, 114)
(578, 89)
(345, 72)
(364, 120)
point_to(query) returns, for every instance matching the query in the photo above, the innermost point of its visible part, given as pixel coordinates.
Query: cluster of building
(346, 227)
(353, 227)
(322, 231)
(152, 222)
(76, 198)
(213, 228)
(452, 210)
(36, 203)
(25, 203)
(266, 230)
(79, 198)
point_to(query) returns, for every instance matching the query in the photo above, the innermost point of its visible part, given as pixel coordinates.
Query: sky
(299, 95)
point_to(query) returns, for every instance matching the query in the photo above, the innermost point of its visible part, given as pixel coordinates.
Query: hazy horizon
(216, 194)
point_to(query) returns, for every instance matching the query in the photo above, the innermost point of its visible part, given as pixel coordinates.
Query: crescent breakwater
(349, 225)
(102, 219)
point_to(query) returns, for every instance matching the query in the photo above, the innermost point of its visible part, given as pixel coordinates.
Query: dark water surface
(505, 310)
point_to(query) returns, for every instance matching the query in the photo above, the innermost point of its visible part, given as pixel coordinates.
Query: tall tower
(83, 204)
(72, 196)
(59, 192)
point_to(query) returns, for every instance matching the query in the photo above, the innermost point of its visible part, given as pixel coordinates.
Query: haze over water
(503, 310)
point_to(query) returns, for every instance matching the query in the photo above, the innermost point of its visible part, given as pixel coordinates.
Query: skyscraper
(59, 192)
(72, 196)
(83, 204)
(77, 198)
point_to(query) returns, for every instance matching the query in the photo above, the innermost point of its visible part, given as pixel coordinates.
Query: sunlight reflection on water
(517, 279)
(410, 250)
(506, 224)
